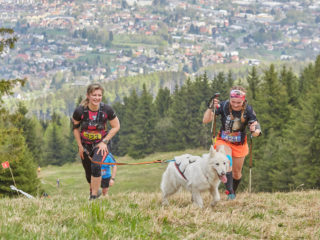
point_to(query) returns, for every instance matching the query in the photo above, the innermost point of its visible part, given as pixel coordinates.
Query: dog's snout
(223, 173)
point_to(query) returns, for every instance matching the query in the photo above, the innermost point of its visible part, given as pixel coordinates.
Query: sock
(229, 183)
(236, 184)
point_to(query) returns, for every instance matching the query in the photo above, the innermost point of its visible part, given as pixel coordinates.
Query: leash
(139, 163)
(116, 163)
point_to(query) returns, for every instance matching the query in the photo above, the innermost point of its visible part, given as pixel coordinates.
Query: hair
(90, 89)
(244, 105)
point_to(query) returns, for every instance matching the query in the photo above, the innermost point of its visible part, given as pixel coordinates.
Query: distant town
(79, 41)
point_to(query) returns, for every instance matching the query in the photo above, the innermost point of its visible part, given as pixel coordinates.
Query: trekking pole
(213, 126)
(250, 160)
(250, 163)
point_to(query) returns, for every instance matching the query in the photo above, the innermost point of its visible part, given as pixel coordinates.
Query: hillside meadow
(133, 210)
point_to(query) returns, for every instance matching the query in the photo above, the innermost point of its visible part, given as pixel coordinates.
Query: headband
(238, 94)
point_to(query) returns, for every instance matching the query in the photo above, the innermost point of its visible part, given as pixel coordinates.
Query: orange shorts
(237, 150)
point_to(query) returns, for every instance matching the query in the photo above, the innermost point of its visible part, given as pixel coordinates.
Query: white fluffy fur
(202, 174)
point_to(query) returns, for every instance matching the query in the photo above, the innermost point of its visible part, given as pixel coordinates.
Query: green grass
(138, 178)
(133, 210)
(125, 40)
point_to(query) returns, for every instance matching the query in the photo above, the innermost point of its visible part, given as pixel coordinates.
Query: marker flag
(5, 164)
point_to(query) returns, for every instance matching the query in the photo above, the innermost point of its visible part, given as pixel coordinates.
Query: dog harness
(181, 173)
(177, 165)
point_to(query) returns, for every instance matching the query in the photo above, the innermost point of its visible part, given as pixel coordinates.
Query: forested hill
(63, 100)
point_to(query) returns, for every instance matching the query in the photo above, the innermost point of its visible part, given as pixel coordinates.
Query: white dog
(196, 174)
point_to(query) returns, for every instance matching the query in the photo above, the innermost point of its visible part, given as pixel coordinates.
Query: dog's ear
(212, 152)
(222, 150)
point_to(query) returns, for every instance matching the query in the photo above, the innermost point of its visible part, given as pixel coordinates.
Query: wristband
(106, 141)
(113, 179)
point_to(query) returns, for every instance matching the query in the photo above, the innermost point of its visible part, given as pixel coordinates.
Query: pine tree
(220, 85)
(290, 82)
(162, 102)
(253, 81)
(12, 143)
(143, 142)
(128, 122)
(8, 40)
(32, 131)
(306, 79)
(164, 135)
(306, 132)
(180, 115)
(230, 79)
(196, 105)
(119, 109)
(272, 108)
(55, 144)
(273, 114)
(317, 68)
(70, 150)
(38, 150)
(14, 150)
(163, 127)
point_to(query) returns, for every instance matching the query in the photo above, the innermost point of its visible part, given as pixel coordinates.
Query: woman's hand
(255, 132)
(216, 102)
(213, 102)
(81, 151)
(103, 148)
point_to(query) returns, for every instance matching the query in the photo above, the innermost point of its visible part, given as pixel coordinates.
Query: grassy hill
(133, 210)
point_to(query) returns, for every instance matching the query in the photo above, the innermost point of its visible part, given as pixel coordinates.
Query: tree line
(285, 157)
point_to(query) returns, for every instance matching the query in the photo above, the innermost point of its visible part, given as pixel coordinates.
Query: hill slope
(135, 215)
(133, 210)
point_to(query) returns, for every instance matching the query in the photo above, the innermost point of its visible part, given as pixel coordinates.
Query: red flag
(5, 164)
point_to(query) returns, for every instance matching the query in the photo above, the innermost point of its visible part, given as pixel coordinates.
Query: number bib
(92, 135)
(234, 137)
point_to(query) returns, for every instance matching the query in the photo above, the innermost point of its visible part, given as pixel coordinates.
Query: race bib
(92, 135)
(234, 137)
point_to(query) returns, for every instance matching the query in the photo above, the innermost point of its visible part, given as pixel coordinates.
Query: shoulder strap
(84, 118)
(85, 113)
(225, 108)
(246, 110)
(101, 113)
